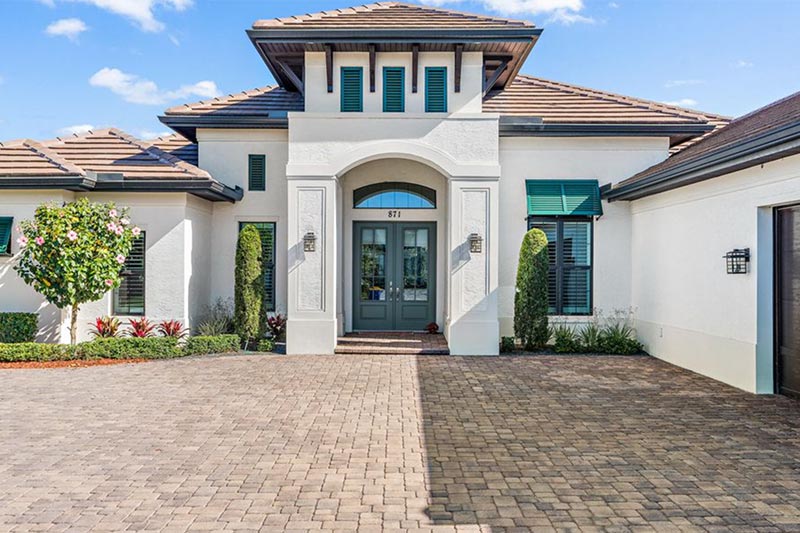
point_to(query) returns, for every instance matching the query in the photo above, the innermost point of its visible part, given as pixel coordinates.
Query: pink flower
(120, 230)
(39, 240)
(120, 259)
(124, 221)
(71, 235)
(109, 282)
(22, 241)
(113, 213)
(111, 226)
(136, 231)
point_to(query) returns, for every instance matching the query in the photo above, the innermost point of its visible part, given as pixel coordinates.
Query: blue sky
(69, 64)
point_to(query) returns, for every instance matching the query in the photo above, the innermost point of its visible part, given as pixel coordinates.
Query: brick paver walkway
(393, 442)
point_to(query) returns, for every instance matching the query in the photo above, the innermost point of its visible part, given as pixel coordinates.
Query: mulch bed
(78, 363)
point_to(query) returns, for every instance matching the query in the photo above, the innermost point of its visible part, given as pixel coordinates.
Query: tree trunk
(73, 325)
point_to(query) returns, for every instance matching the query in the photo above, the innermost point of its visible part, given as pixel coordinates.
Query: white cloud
(563, 11)
(69, 28)
(683, 102)
(138, 90)
(140, 12)
(76, 129)
(743, 64)
(613, 5)
(147, 135)
(682, 83)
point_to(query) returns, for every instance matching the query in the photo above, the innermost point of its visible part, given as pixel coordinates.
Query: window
(569, 250)
(394, 89)
(128, 298)
(257, 172)
(267, 232)
(394, 195)
(5, 235)
(436, 89)
(352, 89)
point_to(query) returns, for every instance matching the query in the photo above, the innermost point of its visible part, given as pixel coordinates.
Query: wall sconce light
(310, 242)
(737, 260)
(475, 243)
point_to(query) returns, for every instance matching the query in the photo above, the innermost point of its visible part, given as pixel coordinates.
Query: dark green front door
(394, 267)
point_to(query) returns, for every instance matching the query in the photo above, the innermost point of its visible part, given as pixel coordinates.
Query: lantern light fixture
(310, 242)
(475, 243)
(737, 261)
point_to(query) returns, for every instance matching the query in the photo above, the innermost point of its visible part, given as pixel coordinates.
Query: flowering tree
(74, 253)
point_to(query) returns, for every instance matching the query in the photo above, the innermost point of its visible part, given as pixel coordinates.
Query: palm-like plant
(172, 328)
(105, 327)
(141, 327)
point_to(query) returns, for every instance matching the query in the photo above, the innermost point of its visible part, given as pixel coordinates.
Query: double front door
(394, 267)
(787, 353)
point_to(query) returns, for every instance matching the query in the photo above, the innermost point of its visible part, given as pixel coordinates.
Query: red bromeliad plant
(172, 328)
(141, 327)
(105, 327)
(276, 325)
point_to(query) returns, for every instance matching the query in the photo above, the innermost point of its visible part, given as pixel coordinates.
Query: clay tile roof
(27, 158)
(389, 15)
(114, 151)
(254, 102)
(771, 118)
(556, 102)
(178, 146)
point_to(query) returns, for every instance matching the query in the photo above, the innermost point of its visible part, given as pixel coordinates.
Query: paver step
(399, 343)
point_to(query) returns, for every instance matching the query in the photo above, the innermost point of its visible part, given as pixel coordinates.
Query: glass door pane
(415, 265)
(373, 265)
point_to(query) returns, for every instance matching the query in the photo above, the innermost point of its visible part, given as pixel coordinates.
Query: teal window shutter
(267, 232)
(352, 89)
(563, 197)
(257, 172)
(128, 298)
(394, 89)
(436, 89)
(5, 234)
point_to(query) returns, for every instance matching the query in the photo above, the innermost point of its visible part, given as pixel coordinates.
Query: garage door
(788, 300)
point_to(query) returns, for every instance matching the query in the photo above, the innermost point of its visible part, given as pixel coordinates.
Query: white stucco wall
(604, 159)
(224, 153)
(319, 100)
(689, 311)
(173, 224)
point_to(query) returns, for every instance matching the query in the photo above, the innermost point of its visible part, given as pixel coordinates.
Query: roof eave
(394, 35)
(187, 125)
(520, 126)
(769, 146)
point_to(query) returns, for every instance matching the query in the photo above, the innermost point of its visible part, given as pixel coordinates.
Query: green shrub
(30, 351)
(130, 348)
(565, 339)
(18, 327)
(266, 345)
(507, 344)
(203, 345)
(618, 336)
(217, 319)
(248, 285)
(589, 338)
(530, 301)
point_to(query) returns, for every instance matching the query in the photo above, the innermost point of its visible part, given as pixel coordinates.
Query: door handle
(389, 292)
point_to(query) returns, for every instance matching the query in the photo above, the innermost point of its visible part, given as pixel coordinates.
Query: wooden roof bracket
(372, 49)
(297, 82)
(459, 50)
(489, 84)
(414, 67)
(329, 66)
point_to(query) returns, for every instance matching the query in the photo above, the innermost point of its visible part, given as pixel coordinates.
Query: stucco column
(473, 327)
(311, 327)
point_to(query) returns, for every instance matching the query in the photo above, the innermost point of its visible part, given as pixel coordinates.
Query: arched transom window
(394, 195)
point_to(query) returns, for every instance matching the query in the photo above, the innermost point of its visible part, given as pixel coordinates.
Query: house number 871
(394, 213)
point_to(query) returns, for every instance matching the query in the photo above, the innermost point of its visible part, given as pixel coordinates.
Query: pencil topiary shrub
(530, 301)
(249, 288)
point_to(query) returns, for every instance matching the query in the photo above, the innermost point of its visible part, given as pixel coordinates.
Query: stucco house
(393, 171)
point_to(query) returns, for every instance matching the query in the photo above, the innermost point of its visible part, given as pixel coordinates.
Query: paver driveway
(371, 442)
